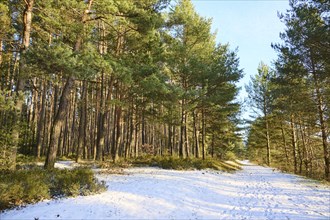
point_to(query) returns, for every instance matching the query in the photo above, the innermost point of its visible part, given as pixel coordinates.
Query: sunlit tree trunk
(285, 144)
(294, 143)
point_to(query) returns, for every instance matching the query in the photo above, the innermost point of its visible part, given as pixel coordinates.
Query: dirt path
(150, 193)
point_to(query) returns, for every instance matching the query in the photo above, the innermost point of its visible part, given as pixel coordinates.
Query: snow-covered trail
(150, 193)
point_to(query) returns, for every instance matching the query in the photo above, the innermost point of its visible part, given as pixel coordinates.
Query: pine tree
(306, 40)
(259, 91)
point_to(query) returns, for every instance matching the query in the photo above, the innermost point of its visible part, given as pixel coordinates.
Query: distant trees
(105, 80)
(259, 93)
(300, 106)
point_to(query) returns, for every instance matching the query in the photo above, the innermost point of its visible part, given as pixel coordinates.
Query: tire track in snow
(264, 192)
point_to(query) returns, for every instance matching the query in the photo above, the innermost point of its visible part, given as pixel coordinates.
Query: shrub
(79, 181)
(18, 187)
(230, 156)
(183, 164)
(30, 186)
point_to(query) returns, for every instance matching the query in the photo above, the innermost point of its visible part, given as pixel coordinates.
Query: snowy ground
(150, 193)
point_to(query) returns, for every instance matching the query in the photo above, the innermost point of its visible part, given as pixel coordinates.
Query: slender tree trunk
(34, 110)
(212, 145)
(117, 135)
(304, 147)
(82, 124)
(203, 133)
(186, 136)
(268, 142)
(182, 130)
(48, 126)
(324, 141)
(55, 102)
(41, 122)
(170, 143)
(11, 73)
(285, 145)
(100, 133)
(300, 157)
(143, 129)
(175, 141)
(65, 129)
(294, 143)
(130, 144)
(1, 50)
(72, 116)
(196, 134)
(136, 133)
(3, 76)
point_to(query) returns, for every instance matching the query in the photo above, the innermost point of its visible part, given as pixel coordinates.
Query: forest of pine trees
(109, 79)
(292, 99)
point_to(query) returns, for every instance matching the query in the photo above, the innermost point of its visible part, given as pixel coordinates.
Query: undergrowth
(174, 163)
(32, 185)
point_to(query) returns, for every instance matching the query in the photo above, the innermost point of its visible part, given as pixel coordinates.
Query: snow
(66, 164)
(151, 193)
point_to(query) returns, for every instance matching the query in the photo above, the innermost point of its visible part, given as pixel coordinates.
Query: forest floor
(255, 192)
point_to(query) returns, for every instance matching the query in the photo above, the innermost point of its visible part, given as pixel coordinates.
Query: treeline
(293, 98)
(110, 79)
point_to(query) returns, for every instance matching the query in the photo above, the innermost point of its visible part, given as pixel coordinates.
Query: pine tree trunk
(170, 143)
(186, 136)
(1, 50)
(136, 132)
(212, 145)
(196, 134)
(58, 123)
(268, 142)
(34, 110)
(294, 143)
(41, 122)
(117, 134)
(182, 130)
(100, 133)
(65, 146)
(82, 124)
(285, 145)
(203, 133)
(304, 156)
(130, 144)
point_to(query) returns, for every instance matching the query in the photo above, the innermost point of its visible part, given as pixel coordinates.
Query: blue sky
(249, 25)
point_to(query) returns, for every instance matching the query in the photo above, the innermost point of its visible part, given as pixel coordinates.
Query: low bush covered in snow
(33, 185)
